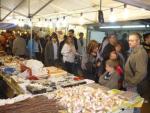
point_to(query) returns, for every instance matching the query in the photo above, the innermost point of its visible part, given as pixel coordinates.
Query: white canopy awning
(71, 9)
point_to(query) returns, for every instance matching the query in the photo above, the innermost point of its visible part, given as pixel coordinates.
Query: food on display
(37, 104)
(36, 67)
(36, 88)
(19, 98)
(73, 83)
(75, 94)
(84, 99)
(55, 72)
(48, 85)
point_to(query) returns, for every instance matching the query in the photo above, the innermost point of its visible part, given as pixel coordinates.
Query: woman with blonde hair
(68, 52)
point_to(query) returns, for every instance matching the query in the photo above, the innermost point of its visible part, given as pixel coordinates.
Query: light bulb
(81, 21)
(125, 13)
(112, 17)
(50, 24)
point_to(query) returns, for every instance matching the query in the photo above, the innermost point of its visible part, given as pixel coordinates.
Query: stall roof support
(6, 8)
(29, 14)
(13, 10)
(0, 10)
(41, 8)
(145, 4)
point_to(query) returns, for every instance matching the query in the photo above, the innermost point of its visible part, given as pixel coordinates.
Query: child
(110, 78)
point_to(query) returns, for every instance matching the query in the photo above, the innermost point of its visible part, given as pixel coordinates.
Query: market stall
(56, 91)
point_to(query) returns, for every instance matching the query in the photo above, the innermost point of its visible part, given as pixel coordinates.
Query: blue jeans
(134, 89)
(137, 110)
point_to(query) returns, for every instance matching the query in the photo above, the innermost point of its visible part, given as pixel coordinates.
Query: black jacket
(107, 50)
(75, 43)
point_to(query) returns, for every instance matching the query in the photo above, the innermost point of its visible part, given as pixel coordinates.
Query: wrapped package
(36, 67)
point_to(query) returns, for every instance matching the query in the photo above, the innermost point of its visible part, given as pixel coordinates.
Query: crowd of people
(113, 67)
(46, 48)
(114, 63)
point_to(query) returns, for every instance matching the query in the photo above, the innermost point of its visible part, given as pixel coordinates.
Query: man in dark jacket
(146, 45)
(112, 41)
(144, 87)
(61, 46)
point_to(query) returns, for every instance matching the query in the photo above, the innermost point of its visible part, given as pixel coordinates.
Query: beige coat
(49, 53)
(19, 46)
(136, 67)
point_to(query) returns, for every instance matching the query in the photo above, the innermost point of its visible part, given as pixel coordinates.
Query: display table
(38, 104)
(86, 98)
(73, 94)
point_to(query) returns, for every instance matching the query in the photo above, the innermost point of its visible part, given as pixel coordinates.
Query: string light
(21, 22)
(125, 5)
(39, 24)
(111, 10)
(50, 23)
(125, 13)
(57, 19)
(112, 17)
(64, 23)
(81, 19)
(29, 22)
(45, 24)
(58, 23)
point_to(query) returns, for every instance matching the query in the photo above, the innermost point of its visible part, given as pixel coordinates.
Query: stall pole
(31, 38)
(0, 10)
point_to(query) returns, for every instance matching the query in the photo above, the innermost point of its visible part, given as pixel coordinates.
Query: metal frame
(31, 16)
(0, 10)
(6, 8)
(31, 38)
(21, 14)
(100, 4)
(12, 10)
(136, 3)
